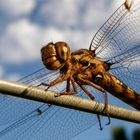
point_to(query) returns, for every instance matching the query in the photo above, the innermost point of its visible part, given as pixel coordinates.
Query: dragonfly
(111, 65)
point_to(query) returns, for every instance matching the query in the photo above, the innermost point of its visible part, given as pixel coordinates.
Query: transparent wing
(127, 67)
(12, 108)
(118, 42)
(33, 120)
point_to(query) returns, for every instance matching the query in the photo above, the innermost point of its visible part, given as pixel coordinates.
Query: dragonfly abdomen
(120, 90)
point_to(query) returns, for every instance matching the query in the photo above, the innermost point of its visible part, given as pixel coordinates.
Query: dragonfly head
(54, 55)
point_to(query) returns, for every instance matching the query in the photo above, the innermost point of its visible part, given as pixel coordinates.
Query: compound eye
(63, 51)
(48, 51)
(55, 55)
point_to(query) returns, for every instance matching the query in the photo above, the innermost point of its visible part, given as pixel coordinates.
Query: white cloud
(17, 7)
(52, 34)
(23, 39)
(61, 12)
(20, 41)
(98, 11)
(77, 13)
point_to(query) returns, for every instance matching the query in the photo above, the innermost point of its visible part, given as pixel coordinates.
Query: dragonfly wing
(118, 42)
(126, 67)
(13, 108)
(43, 121)
(118, 33)
(54, 123)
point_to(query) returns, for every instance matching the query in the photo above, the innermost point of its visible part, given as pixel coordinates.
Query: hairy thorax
(87, 65)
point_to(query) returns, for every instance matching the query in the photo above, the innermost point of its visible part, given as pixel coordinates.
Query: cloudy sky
(27, 25)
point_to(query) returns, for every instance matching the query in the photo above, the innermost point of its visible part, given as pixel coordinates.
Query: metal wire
(72, 102)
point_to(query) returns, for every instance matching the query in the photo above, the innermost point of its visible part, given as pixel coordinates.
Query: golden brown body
(120, 90)
(97, 72)
(84, 68)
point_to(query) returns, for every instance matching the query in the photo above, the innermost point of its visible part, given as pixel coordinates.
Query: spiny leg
(91, 84)
(99, 120)
(67, 88)
(87, 92)
(92, 98)
(68, 85)
(59, 79)
(102, 90)
(64, 75)
(99, 77)
(68, 92)
(54, 82)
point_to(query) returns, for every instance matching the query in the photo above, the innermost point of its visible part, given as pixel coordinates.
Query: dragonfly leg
(68, 92)
(54, 82)
(102, 90)
(64, 75)
(87, 92)
(61, 78)
(90, 83)
(92, 98)
(68, 85)
(67, 88)
(99, 120)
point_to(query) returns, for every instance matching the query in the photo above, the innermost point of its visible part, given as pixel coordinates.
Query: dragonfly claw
(101, 128)
(108, 123)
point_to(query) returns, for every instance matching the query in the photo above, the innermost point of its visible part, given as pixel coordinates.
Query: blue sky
(27, 25)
